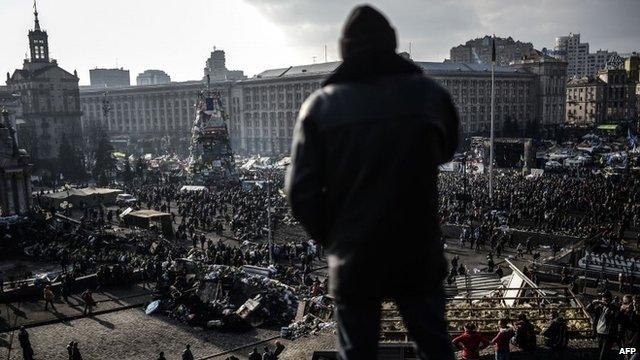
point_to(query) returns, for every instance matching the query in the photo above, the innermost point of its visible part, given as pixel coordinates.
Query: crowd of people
(552, 203)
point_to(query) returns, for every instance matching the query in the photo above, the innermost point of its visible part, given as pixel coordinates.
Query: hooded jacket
(363, 174)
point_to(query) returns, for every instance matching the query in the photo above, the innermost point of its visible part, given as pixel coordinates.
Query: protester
(161, 356)
(629, 322)
(604, 314)
(76, 352)
(556, 333)
(48, 297)
(89, 302)
(348, 186)
(470, 342)
(255, 355)
(502, 339)
(525, 336)
(25, 344)
(187, 354)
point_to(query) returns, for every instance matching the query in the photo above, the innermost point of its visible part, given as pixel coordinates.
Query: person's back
(363, 182)
(470, 342)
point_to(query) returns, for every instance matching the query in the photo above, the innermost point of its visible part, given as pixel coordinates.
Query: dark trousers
(605, 343)
(359, 326)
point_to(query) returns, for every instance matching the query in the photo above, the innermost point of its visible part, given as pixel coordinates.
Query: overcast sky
(178, 35)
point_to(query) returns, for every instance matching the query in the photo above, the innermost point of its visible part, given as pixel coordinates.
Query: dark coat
(363, 175)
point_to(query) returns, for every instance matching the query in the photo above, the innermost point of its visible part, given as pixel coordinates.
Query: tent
(146, 218)
(80, 198)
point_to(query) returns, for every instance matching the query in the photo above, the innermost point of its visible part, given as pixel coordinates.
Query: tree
(105, 163)
(70, 162)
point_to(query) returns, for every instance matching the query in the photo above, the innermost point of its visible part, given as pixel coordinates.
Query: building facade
(15, 171)
(263, 109)
(152, 77)
(574, 53)
(107, 78)
(550, 90)
(620, 103)
(49, 98)
(479, 51)
(585, 101)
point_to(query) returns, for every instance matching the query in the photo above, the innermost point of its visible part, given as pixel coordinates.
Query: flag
(493, 49)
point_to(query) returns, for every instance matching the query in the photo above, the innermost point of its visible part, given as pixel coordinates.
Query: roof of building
(427, 67)
(585, 80)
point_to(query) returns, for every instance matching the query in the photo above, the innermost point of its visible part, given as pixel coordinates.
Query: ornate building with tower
(50, 100)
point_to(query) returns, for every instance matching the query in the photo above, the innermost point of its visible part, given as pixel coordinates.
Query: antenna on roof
(409, 49)
(325, 52)
(314, 59)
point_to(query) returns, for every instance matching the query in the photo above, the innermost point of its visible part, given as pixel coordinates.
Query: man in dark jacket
(363, 182)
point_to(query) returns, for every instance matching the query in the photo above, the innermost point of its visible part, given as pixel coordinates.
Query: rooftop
(428, 67)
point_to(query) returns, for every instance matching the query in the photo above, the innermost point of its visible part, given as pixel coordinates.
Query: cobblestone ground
(128, 334)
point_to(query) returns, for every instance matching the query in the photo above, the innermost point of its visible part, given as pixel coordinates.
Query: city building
(580, 62)
(216, 68)
(153, 77)
(15, 171)
(620, 103)
(146, 111)
(263, 109)
(107, 78)
(49, 97)
(479, 51)
(599, 60)
(585, 101)
(550, 94)
(571, 50)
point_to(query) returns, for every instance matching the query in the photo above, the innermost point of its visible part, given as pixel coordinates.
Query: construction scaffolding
(486, 305)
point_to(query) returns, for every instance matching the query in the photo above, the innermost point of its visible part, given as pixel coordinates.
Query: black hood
(368, 46)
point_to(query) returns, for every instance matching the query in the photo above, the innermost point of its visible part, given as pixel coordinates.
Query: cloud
(434, 26)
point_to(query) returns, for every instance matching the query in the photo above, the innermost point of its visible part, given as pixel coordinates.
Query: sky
(177, 36)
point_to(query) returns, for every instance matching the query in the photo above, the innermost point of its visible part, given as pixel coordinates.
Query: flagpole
(493, 62)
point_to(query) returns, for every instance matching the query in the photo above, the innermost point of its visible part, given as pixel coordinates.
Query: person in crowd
(25, 344)
(629, 322)
(279, 348)
(525, 337)
(70, 350)
(89, 302)
(556, 334)
(470, 342)
(48, 297)
(604, 314)
(76, 352)
(376, 125)
(255, 355)
(502, 339)
(161, 356)
(187, 354)
(267, 354)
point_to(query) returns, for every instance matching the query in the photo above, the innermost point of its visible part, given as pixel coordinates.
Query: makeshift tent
(145, 218)
(81, 198)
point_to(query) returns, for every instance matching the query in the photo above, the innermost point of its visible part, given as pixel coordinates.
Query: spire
(35, 12)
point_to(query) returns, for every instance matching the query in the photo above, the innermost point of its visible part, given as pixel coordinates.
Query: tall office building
(108, 78)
